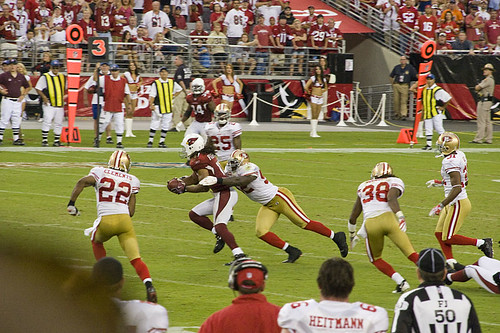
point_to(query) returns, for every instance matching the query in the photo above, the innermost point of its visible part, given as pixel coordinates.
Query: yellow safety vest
(429, 102)
(55, 89)
(164, 94)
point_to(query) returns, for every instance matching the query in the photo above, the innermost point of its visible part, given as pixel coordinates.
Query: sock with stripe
(385, 268)
(319, 228)
(273, 239)
(141, 269)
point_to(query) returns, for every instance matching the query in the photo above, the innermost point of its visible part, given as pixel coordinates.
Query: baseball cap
(107, 271)
(5, 62)
(12, 62)
(442, 34)
(164, 69)
(114, 67)
(104, 64)
(250, 278)
(452, 1)
(431, 260)
(435, 7)
(55, 63)
(430, 76)
(473, 7)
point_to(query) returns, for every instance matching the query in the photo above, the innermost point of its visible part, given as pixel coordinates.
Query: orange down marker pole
(74, 35)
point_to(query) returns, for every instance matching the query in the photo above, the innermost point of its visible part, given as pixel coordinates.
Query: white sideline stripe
(65, 149)
(192, 257)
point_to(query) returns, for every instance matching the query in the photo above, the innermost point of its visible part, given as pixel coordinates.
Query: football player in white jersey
(455, 207)
(225, 135)
(333, 313)
(377, 198)
(138, 316)
(116, 191)
(485, 271)
(248, 178)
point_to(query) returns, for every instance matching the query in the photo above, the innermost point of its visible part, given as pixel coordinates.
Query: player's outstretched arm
(229, 181)
(80, 185)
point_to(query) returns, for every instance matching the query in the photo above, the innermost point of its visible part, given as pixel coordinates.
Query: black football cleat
(162, 145)
(151, 294)
(487, 247)
(219, 244)
(340, 239)
(109, 140)
(149, 145)
(447, 280)
(427, 147)
(293, 254)
(18, 142)
(119, 145)
(236, 258)
(96, 143)
(56, 144)
(45, 143)
(453, 266)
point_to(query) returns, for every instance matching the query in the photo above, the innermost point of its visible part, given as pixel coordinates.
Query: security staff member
(163, 91)
(51, 87)
(434, 307)
(15, 87)
(401, 76)
(434, 101)
(485, 91)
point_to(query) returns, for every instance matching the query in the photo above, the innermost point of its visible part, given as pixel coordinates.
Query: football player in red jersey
(201, 105)
(203, 162)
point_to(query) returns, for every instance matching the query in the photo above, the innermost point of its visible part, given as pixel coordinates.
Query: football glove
(180, 126)
(354, 242)
(208, 181)
(436, 210)
(402, 221)
(352, 230)
(72, 210)
(434, 183)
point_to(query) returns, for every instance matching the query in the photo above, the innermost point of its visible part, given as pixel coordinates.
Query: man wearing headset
(250, 312)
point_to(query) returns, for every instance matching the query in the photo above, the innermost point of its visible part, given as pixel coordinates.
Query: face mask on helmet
(198, 86)
(222, 114)
(448, 143)
(191, 144)
(238, 158)
(381, 169)
(119, 160)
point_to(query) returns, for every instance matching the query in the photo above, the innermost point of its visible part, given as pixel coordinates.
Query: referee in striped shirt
(433, 307)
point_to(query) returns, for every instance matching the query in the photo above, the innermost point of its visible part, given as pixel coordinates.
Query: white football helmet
(198, 86)
(119, 160)
(238, 158)
(382, 169)
(447, 143)
(191, 144)
(222, 114)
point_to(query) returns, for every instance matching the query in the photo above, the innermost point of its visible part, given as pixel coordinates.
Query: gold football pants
(119, 225)
(385, 224)
(282, 203)
(452, 217)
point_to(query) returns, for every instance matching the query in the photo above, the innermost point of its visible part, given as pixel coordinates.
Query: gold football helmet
(119, 160)
(222, 113)
(238, 158)
(447, 143)
(382, 169)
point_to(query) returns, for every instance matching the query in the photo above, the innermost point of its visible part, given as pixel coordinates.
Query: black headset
(239, 265)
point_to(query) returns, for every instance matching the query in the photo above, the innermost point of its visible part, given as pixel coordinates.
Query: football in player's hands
(208, 181)
(72, 210)
(176, 185)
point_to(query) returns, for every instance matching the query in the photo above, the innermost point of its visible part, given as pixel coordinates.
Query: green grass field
(191, 281)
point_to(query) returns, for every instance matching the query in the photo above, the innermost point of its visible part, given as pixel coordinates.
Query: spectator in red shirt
(442, 44)
(427, 23)
(263, 34)
(121, 16)
(194, 14)
(318, 35)
(250, 311)
(248, 15)
(198, 33)
(407, 19)
(70, 11)
(8, 26)
(32, 5)
(217, 16)
(104, 19)
(309, 20)
(282, 34)
(180, 20)
(449, 27)
(474, 25)
(492, 27)
(334, 35)
(299, 39)
(42, 13)
(89, 30)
